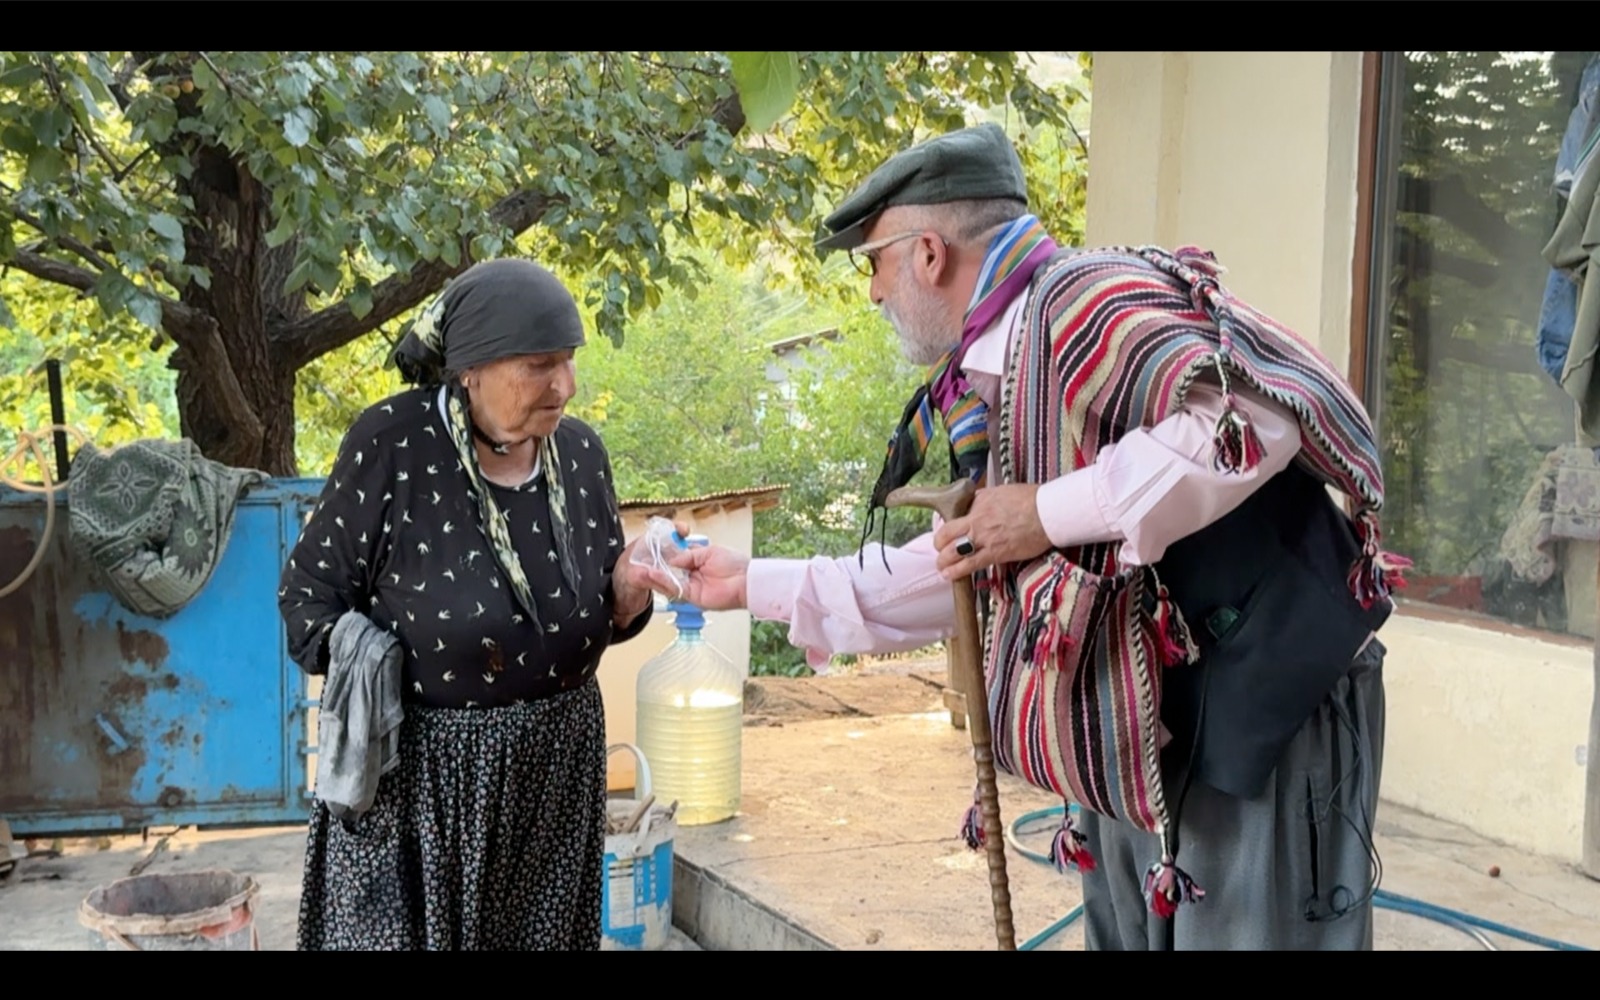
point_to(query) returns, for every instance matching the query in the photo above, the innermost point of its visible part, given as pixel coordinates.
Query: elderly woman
(470, 530)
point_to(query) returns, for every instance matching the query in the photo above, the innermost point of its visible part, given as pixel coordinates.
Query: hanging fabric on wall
(1559, 309)
(1575, 248)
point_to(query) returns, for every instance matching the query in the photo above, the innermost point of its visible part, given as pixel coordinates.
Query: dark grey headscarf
(496, 309)
(493, 310)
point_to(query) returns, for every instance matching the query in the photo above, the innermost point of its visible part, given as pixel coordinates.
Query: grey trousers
(1292, 870)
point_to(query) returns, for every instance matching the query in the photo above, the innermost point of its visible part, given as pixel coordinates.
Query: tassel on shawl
(1166, 887)
(1067, 848)
(1203, 261)
(1173, 642)
(1044, 636)
(1377, 574)
(972, 824)
(1237, 447)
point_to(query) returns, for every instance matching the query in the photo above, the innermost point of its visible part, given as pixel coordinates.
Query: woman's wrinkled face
(522, 397)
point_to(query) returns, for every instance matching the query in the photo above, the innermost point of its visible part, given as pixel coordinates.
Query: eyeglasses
(865, 256)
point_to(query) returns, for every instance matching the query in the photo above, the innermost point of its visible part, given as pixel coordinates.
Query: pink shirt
(1154, 487)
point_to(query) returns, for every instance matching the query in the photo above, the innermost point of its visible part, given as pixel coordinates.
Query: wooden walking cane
(951, 502)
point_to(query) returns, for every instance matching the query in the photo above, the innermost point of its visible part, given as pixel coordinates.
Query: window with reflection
(1482, 339)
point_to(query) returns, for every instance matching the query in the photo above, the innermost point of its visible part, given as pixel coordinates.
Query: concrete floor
(853, 789)
(39, 901)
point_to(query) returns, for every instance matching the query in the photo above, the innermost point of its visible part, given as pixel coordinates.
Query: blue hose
(1468, 924)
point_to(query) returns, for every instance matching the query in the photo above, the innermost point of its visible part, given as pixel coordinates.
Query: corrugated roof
(758, 497)
(779, 346)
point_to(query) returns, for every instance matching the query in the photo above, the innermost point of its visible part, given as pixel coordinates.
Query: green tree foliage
(262, 212)
(687, 401)
(114, 388)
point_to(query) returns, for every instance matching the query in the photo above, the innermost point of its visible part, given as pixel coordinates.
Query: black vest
(1266, 595)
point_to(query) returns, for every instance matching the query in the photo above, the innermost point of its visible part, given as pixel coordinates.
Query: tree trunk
(236, 388)
(202, 421)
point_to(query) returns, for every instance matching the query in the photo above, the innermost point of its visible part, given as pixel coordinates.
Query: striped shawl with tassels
(1111, 341)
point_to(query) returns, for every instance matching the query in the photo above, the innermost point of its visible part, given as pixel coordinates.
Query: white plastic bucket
(636, 893)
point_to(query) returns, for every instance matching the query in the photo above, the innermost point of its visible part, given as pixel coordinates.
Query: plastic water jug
(691, 721)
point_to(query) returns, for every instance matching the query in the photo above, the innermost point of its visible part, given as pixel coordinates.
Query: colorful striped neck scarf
(1008, 266)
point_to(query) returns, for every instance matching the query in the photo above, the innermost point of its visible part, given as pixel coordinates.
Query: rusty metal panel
(113, 721)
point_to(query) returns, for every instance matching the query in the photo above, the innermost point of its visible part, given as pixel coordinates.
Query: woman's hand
(630, 589)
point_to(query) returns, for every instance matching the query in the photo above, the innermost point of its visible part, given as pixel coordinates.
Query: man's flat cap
(977, 162)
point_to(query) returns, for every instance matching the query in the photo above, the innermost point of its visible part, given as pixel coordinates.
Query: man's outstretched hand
(716, 575)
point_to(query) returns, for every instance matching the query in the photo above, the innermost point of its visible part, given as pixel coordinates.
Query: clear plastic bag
(661, 539)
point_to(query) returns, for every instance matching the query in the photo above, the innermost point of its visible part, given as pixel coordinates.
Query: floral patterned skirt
(488, 834)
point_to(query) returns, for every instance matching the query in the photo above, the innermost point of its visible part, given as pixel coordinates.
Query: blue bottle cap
(689, 617)
(691, 541)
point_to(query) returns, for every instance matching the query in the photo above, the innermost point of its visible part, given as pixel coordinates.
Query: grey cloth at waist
(359, 715)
